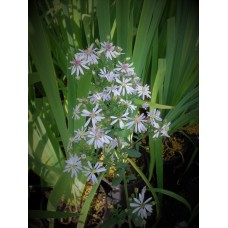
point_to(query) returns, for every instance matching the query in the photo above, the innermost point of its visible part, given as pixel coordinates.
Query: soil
(174, 213)
(38, 199)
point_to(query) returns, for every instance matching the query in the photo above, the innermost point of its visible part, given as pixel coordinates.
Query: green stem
(126, 196)
(144, 136)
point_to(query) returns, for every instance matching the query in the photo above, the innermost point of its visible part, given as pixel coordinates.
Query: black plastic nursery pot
(39, 198)
(95, 215)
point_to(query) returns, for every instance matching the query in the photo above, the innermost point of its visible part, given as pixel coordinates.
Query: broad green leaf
(33, 78)
(41, 54)
(150, 17)
(103, 16)
(133, 153)
(122, 24)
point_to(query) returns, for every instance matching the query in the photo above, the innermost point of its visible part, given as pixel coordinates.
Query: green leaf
(122, 24)
(134, 153)
(87, 204)
(158, 84)
(159, 164)
(67, 188)
(175, 196)
(152, 156)
(50, 214)
(150, 17)
(103, 15)
(108, 223)
(33, 78)
(41, 54)
(116, 181)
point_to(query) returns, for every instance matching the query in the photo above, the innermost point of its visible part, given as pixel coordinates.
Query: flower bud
(136, 190)
(97, 42)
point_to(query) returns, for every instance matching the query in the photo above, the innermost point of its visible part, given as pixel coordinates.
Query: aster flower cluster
(74, 165)
(111, 108)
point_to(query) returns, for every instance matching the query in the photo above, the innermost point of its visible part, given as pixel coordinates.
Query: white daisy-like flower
(157, 131)
(105, 137)
(154, 115)
(80, 134)
(76, 111)
(128, 104)
(91, 171)
(109, 50)
(125, 68)
(113, 89)
(98, 137)
(103, 73)
(143, 91)
(165, 129)
(95, 137)
(90, 55)
(138, 123)
(112, 76)
(94, 115)
(106, 95)
(141, 206)
(73, 165)
(120, 119)
(137, 80)
(113, 144)
(125, 86)
(95, 98)
(78, 64)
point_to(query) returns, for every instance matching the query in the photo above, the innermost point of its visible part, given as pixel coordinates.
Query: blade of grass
(103, 15)
(175, 196)
(122, 23)
(40, 52)
(154, 65)
(152, 157)
(86, 206)
(149, 20)
(159, 165)
(170, 52)
(158, 84)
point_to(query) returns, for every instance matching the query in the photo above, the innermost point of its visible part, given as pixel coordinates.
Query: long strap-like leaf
(41, 55)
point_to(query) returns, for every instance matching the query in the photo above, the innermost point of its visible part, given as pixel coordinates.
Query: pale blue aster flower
(141, 206)
(73, 165)
(91, 171)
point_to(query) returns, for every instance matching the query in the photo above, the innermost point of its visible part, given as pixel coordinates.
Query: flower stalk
(126, 196)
